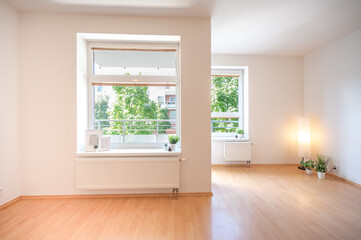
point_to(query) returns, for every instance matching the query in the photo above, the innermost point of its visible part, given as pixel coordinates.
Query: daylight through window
(226, 105)
(134, 95)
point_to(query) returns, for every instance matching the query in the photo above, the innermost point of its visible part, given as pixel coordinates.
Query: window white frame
(97, 78)
(242, 73)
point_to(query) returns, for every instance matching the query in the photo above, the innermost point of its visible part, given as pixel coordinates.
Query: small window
(161, 99)
(226, 105)
(172, 114)
(172, 100)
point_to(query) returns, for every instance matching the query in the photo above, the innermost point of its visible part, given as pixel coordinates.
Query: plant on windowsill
(173, 139)
(95, 148)
(309, 165)
(321, 166)
(239, 133)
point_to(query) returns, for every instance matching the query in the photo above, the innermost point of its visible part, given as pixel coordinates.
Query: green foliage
(224, 99)
(321, 163)
(239, 131)
(173, 139)
(95, 146)
(309, 164)
(134, 103)
(302, 162)
(101, 107)
(224, 124)
(224, 94)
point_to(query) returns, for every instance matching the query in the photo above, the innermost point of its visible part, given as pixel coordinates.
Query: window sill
(229, 139)
(131, 153)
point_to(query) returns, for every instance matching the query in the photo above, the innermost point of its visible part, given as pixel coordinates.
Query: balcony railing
(152, 130)
(137, 130)
(224, 126)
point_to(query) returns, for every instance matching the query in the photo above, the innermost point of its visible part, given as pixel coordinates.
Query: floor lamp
(304, 138)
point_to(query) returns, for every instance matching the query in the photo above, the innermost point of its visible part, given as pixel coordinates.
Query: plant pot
(172, 146)
(321, 175)
(309, 171)
(239, 135)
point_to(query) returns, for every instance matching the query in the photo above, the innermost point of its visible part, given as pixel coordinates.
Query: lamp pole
(304, 139)
(301, 166)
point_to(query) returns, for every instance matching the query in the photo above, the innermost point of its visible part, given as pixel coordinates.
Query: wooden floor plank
(266, 202)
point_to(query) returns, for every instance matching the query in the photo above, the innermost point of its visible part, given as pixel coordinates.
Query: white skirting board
(237, 151)
(127, 173)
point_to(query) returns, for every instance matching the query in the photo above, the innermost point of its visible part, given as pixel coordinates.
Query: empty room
(180, 119)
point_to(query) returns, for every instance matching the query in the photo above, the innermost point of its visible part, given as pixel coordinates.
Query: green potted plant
(309, 165)
(95, 148)
(239, 133)
(173, 139)
(321, 166)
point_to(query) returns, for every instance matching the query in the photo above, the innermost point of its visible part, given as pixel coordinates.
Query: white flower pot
(321, 175)
(172, 146)
(309, 171)
(239, 135)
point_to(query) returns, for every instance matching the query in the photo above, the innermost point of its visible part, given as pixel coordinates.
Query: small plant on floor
(173, 140)
(321, 165)
(308, 165)
(239, 132)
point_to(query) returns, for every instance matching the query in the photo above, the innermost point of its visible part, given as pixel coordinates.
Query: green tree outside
(133, 103)
(101, 107)
(224, 99)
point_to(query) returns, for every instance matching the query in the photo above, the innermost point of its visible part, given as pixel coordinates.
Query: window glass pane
(225, 101)
(172, 114)
(224, 92)
(119, 62)
(225, 125)
(134, 114)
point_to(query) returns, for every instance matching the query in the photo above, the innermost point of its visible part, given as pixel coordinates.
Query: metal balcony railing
(136, 127)
(155, 126)
(224, 125)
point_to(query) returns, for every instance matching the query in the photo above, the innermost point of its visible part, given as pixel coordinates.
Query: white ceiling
(281, 27)
(188, 8)
(262, 27)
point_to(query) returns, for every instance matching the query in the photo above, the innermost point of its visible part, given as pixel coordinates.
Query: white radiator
(127, 173)
(237, 151)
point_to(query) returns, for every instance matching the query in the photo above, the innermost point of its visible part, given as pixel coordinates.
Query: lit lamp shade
(304, 136)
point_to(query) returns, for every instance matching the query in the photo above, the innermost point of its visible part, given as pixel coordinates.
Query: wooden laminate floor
(248, 203)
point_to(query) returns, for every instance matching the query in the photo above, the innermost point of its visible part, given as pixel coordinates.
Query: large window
(133, 94)
(227, 102)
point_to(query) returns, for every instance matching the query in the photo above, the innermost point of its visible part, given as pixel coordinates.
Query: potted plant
(95, 148)
(309, 165)
(173, 139)
(240, 133)
(321, 166)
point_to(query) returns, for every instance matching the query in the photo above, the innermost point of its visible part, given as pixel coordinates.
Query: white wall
(275, 100)
(9, 118)
(333, 98)
(48, 95)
